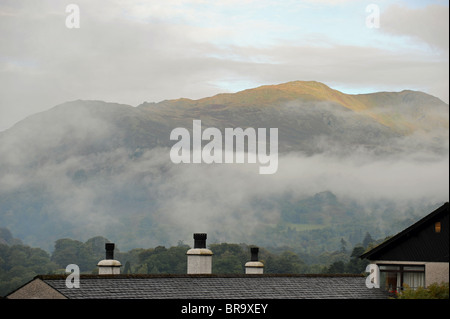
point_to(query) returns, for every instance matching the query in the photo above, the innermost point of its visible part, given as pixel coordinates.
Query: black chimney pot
(254, 251)
(109, 250)
(199, 240)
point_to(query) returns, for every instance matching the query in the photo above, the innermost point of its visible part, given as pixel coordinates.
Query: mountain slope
(386, 108)
(302, 111)
(87, 168)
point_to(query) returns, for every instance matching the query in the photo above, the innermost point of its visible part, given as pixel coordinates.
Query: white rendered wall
(436, 273)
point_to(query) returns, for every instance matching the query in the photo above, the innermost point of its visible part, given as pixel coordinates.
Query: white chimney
(109, 266)
(199, 259)
(254, 266)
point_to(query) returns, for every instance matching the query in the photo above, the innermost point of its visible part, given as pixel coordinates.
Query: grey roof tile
(216, 287)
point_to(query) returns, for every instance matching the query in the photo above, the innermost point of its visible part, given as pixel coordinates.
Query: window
(437, 227)
(394, 277)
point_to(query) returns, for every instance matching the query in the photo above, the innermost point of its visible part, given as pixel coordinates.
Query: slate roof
(264, 286)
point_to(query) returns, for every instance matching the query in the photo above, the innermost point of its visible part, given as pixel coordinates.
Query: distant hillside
(6, 238)
(87, 168)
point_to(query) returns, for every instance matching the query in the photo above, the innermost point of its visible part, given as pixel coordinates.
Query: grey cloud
(114, 58)
(429, 24)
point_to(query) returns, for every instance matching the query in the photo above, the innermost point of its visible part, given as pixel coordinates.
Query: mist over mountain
(87, 168)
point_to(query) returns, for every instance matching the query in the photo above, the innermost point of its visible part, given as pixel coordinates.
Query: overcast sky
(135, 51)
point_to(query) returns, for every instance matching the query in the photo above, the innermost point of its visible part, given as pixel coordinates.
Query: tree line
(19, 263)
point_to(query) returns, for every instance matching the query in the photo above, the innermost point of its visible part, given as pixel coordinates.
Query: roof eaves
(149, 276)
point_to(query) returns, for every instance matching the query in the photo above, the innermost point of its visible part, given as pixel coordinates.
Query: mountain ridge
(309, 91)
(303, 122)
(273, 96)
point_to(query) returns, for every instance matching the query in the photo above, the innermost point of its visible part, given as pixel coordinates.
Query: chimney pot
(200, 240)
(254, 253)
(109, 247)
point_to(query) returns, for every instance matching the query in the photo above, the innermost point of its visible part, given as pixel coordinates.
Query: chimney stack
(109, 266)
(199, 259)
(254, 266)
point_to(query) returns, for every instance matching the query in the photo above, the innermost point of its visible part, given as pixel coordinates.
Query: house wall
(36, 289)
(436, 272)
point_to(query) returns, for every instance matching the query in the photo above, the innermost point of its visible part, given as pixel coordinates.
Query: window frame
(400, 270)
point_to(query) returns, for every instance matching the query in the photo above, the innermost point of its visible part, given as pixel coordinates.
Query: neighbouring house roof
(418, 242)
(213, 286)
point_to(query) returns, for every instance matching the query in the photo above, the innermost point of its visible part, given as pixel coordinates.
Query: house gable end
(419, 242)
(36, 289)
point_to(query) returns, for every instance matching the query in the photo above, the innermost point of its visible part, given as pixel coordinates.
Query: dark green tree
(286, 263)
(338, 267)
(367, 240)
(127, 268)
(20, 263)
